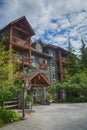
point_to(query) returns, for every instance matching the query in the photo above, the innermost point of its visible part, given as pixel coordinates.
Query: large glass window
(45, 61)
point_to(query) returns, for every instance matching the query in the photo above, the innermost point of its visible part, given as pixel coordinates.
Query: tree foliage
(83, 56)
(75, 86)
(8, 74)
(72, 64)
(75, 83)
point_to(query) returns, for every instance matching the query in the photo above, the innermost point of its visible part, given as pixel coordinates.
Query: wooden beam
(38, 85)
(60, 66)
(29, 50)
(20, 30)
(11, 32)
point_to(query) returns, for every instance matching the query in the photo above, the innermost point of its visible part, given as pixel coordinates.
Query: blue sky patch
(53, 22)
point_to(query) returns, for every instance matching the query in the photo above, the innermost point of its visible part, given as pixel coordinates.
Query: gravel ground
(54, 117)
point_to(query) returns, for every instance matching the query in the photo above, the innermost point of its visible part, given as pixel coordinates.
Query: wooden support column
(60, 66)
(10, 44)
(29, 50)
(10, 53)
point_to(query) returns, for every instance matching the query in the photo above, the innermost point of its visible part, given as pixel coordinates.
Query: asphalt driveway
(54, 117)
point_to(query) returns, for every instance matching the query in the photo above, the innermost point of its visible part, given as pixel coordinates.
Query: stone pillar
(43, 96)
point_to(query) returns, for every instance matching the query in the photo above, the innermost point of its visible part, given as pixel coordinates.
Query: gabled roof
(41, 54)
(40, 79)
(36, 42)
(51, 46)
(17, 20)
(31, 74)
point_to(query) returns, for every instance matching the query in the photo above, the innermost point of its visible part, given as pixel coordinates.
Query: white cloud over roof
(70, 18)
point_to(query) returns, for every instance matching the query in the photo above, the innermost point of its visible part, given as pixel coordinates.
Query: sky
(54, 21)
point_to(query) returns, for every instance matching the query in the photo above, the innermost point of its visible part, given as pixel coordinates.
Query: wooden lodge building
(44, 62)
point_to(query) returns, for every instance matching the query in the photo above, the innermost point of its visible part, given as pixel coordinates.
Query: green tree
(72, 65)
(8, 74)
(83, 55)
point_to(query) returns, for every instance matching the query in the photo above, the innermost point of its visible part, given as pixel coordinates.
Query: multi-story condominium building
(46, 58)
(17, 36)
(43, 63)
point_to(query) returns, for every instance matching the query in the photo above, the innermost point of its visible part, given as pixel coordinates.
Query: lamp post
(23, 103)
(23, 89)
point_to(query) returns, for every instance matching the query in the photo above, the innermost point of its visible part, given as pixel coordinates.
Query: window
(53, 63)
(45, 61)
(54, 76)
(52, 53)
(39, 48)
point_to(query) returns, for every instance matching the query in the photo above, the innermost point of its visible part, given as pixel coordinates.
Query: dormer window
(39, 48)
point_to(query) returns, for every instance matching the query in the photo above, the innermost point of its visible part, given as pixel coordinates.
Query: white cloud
(71, 15)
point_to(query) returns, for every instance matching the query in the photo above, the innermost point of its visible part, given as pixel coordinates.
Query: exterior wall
(53, 65)
(36, 63)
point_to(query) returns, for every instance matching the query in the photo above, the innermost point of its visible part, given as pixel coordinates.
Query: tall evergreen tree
(83, 51)
(72, 60)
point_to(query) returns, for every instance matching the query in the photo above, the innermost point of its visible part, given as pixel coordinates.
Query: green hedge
(73, 100)
(8, 116)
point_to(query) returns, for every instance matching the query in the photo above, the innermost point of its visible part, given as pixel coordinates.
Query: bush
(1, 122)
(49, 96)
(73, 100)
(28, 99)
(80, 99)
(8, 116)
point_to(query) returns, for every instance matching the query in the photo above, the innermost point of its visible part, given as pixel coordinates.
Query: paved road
(54, 117)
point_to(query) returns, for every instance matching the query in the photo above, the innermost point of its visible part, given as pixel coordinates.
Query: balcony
(18, 58)
(43, 66)
(20, 43)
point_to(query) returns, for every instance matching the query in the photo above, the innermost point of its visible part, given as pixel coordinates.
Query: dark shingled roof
(17, 20)
(30, 74)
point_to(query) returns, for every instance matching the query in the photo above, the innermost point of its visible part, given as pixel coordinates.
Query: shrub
(1, 122)
(73, 100)
(28, 99)
(49, 96)
(8, 116)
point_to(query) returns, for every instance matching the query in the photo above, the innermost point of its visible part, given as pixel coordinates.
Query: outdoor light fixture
(23, 102)
(25, 82)
(23, 88)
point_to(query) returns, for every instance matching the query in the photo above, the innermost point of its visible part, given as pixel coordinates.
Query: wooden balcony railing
(20, 42)
(18, 58)
(43, 66)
